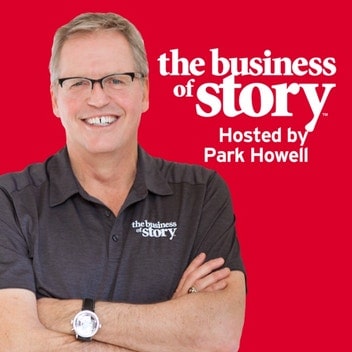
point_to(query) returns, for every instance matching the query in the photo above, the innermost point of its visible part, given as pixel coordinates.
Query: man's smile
(101, 120)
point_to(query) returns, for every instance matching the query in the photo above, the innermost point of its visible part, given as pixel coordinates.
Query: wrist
(85, 323)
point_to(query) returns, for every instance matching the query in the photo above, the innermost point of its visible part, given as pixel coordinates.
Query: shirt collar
(149, 174)
(63, 183)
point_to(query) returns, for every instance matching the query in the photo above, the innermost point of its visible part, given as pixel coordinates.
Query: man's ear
(54, 102)
(146, 95)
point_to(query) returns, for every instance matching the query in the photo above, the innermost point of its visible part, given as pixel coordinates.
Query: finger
(212, 278)
(196, 262)
(194, 278)
(197, 269)
(218, 286)
(204, 270)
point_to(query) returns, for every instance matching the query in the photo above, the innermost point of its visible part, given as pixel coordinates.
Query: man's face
(100, 120)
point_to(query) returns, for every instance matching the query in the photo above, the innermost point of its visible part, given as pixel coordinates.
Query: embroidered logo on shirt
(155, 229)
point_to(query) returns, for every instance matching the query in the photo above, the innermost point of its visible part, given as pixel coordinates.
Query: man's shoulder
(33, 175)
(182, 172)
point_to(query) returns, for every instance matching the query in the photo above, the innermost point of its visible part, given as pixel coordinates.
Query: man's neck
(106, 176)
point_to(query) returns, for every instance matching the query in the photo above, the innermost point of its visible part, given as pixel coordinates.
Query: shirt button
(107, 213)
(115, 238)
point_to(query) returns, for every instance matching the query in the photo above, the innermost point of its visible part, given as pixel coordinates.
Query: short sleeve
(16, 270)
(217, 235)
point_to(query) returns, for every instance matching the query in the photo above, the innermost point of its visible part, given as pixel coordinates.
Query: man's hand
(203, 276)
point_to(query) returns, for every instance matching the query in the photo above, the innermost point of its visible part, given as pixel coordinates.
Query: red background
(292, 219)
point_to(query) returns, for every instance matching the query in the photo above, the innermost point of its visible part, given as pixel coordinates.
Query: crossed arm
(209, 320)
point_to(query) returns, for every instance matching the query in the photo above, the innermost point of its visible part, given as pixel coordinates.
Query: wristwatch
(86, 323)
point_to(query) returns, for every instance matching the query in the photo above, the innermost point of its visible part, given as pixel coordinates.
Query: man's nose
(98, 96)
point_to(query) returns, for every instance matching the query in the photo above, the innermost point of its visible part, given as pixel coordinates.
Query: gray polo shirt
(58, 241)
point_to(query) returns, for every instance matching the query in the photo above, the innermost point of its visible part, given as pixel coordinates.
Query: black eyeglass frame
(133, 75)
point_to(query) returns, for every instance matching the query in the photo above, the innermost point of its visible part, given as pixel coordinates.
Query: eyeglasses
(80, 86)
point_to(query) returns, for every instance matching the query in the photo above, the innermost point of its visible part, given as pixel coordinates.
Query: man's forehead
(98, 37)
(105, 50)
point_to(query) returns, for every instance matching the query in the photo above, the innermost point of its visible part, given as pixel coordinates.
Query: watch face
(86, 324)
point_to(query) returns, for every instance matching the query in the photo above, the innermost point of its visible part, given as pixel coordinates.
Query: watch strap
(84, 339)
(88, 304)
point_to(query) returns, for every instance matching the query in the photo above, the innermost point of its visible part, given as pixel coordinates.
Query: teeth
(101, 121)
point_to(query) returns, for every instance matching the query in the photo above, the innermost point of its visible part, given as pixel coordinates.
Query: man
(103, 247)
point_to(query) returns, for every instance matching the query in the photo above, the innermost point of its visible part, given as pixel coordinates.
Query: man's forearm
(21, 330)
(196, 322)
(199, 322)
(65, 343)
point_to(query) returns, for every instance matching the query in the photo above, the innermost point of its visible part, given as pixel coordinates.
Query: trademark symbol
(325, 114)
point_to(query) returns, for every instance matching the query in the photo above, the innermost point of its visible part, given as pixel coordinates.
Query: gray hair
(92, 22)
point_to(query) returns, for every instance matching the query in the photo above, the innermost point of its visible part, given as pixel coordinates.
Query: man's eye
(116, 81)
(81, 83)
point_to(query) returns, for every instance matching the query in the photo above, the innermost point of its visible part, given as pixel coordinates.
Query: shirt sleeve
(217, 235)
(16, 269)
